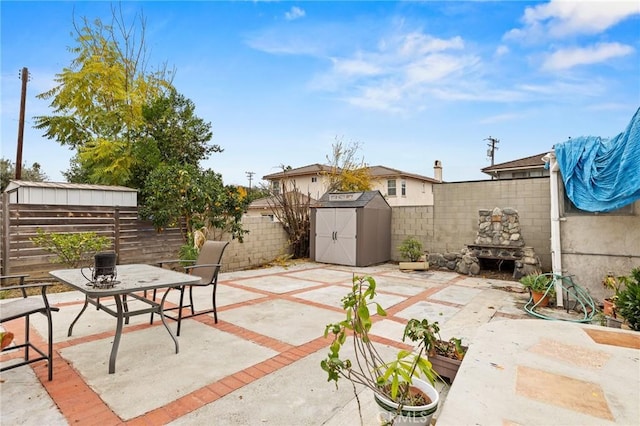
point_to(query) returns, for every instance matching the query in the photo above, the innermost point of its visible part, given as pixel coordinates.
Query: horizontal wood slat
(137, 240)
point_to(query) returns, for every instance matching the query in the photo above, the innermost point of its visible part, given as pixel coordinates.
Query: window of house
(403, 188)
(275, 187)
(391, 187)
(314, 179)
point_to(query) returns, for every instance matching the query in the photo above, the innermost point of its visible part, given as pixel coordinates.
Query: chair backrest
(210, 254)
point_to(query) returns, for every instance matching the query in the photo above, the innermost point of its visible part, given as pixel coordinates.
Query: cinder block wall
(414, 221)
(452, 222)
(265, 241)
(457, 204)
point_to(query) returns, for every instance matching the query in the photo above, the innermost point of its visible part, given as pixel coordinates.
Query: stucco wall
(593, 245)
(456, 206)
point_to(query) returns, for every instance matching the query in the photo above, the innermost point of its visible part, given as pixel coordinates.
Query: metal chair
(206, 267)
(23, 308)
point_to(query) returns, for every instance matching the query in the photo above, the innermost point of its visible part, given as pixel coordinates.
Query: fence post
(4, 244)
(116, 232)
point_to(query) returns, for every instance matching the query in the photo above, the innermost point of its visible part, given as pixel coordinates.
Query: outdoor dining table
(130, 281)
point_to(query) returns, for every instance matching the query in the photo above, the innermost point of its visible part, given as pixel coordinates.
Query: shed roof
(349, 199)
(14, 184)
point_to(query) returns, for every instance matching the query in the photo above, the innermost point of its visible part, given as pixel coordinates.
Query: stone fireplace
(499, 239)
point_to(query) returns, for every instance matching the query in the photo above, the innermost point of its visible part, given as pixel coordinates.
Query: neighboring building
(398, 187)
(263, 206)
(533, 166)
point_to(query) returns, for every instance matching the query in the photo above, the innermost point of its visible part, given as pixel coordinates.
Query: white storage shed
(70, 194)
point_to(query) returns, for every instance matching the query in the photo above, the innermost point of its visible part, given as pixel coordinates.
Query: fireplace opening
(497, 265)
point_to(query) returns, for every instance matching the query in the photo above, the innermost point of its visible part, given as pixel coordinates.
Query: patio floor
(261, 363)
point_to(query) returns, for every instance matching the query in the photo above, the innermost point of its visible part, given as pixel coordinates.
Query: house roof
(310, 170)
(526, 163)
(377, 172)
(267, 202)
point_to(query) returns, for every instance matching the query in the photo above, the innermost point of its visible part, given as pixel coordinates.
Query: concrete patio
(260, 363)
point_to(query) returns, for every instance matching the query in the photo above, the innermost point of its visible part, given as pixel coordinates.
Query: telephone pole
(492, 148)
(250, 176)
(23, 98)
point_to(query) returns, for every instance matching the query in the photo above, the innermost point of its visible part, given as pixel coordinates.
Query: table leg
(164, 321)
(86, 302)
(116, 338)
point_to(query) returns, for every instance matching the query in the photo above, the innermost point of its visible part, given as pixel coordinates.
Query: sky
(410, 82)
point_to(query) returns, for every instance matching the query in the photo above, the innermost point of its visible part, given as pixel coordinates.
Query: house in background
(398, 187)
(533, 166)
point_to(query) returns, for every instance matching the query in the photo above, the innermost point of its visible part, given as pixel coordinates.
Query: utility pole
(250, 176)
(23, 98)
(492, 148)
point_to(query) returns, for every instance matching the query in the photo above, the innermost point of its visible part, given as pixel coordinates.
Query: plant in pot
(540, 287)
(445, 355)
(411, 249)
(402, 387)
(628, 302)
(614, 284)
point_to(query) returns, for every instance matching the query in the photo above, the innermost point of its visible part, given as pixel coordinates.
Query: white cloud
(294, 13)
(501, 50)
(560, 18)
(568, 58)
(399, 71)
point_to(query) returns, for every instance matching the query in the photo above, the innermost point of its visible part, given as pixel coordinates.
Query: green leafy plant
(411, 248)
(71, 249)
(388, 378)
(628, 303)
(539, 282)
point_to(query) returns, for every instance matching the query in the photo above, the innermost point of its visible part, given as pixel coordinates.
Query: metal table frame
(131, 279)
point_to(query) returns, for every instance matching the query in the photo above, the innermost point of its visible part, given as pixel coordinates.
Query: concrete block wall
(265, 241)
(455, 215)
(414, 221)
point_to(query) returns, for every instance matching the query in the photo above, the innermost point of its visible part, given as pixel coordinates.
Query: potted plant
(540, 287)
(628, 301)
(402, 387)
(614, 284)
(445, 355)
(411, 249)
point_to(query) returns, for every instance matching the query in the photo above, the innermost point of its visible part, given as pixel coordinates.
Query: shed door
(336, 236)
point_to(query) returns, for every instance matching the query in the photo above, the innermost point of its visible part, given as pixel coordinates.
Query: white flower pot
(409, 415)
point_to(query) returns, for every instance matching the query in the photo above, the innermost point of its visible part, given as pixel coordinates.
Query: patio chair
(206, 267)
(23, 307)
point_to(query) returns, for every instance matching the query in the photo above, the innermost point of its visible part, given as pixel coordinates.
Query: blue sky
(412, 82)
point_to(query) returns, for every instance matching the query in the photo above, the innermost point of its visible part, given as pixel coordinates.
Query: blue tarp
(602, 175)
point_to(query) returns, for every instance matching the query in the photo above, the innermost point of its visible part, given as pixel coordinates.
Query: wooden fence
(134, 240)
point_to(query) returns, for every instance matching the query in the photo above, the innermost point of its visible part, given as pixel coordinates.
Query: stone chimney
(437, 171)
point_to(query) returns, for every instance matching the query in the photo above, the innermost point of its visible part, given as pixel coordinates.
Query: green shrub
(71, 249)
(411, 249)
(628, 303)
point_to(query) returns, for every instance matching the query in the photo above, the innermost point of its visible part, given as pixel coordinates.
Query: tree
(189, 198)
(171, 133)
(291, 207)
(348, 173)
(98, 102)
(8, 172)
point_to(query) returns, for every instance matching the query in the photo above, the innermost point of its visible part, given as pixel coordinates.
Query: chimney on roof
(437, 171)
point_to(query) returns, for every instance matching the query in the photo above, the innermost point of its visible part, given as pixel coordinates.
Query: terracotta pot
(540, 300)
(609, 308)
